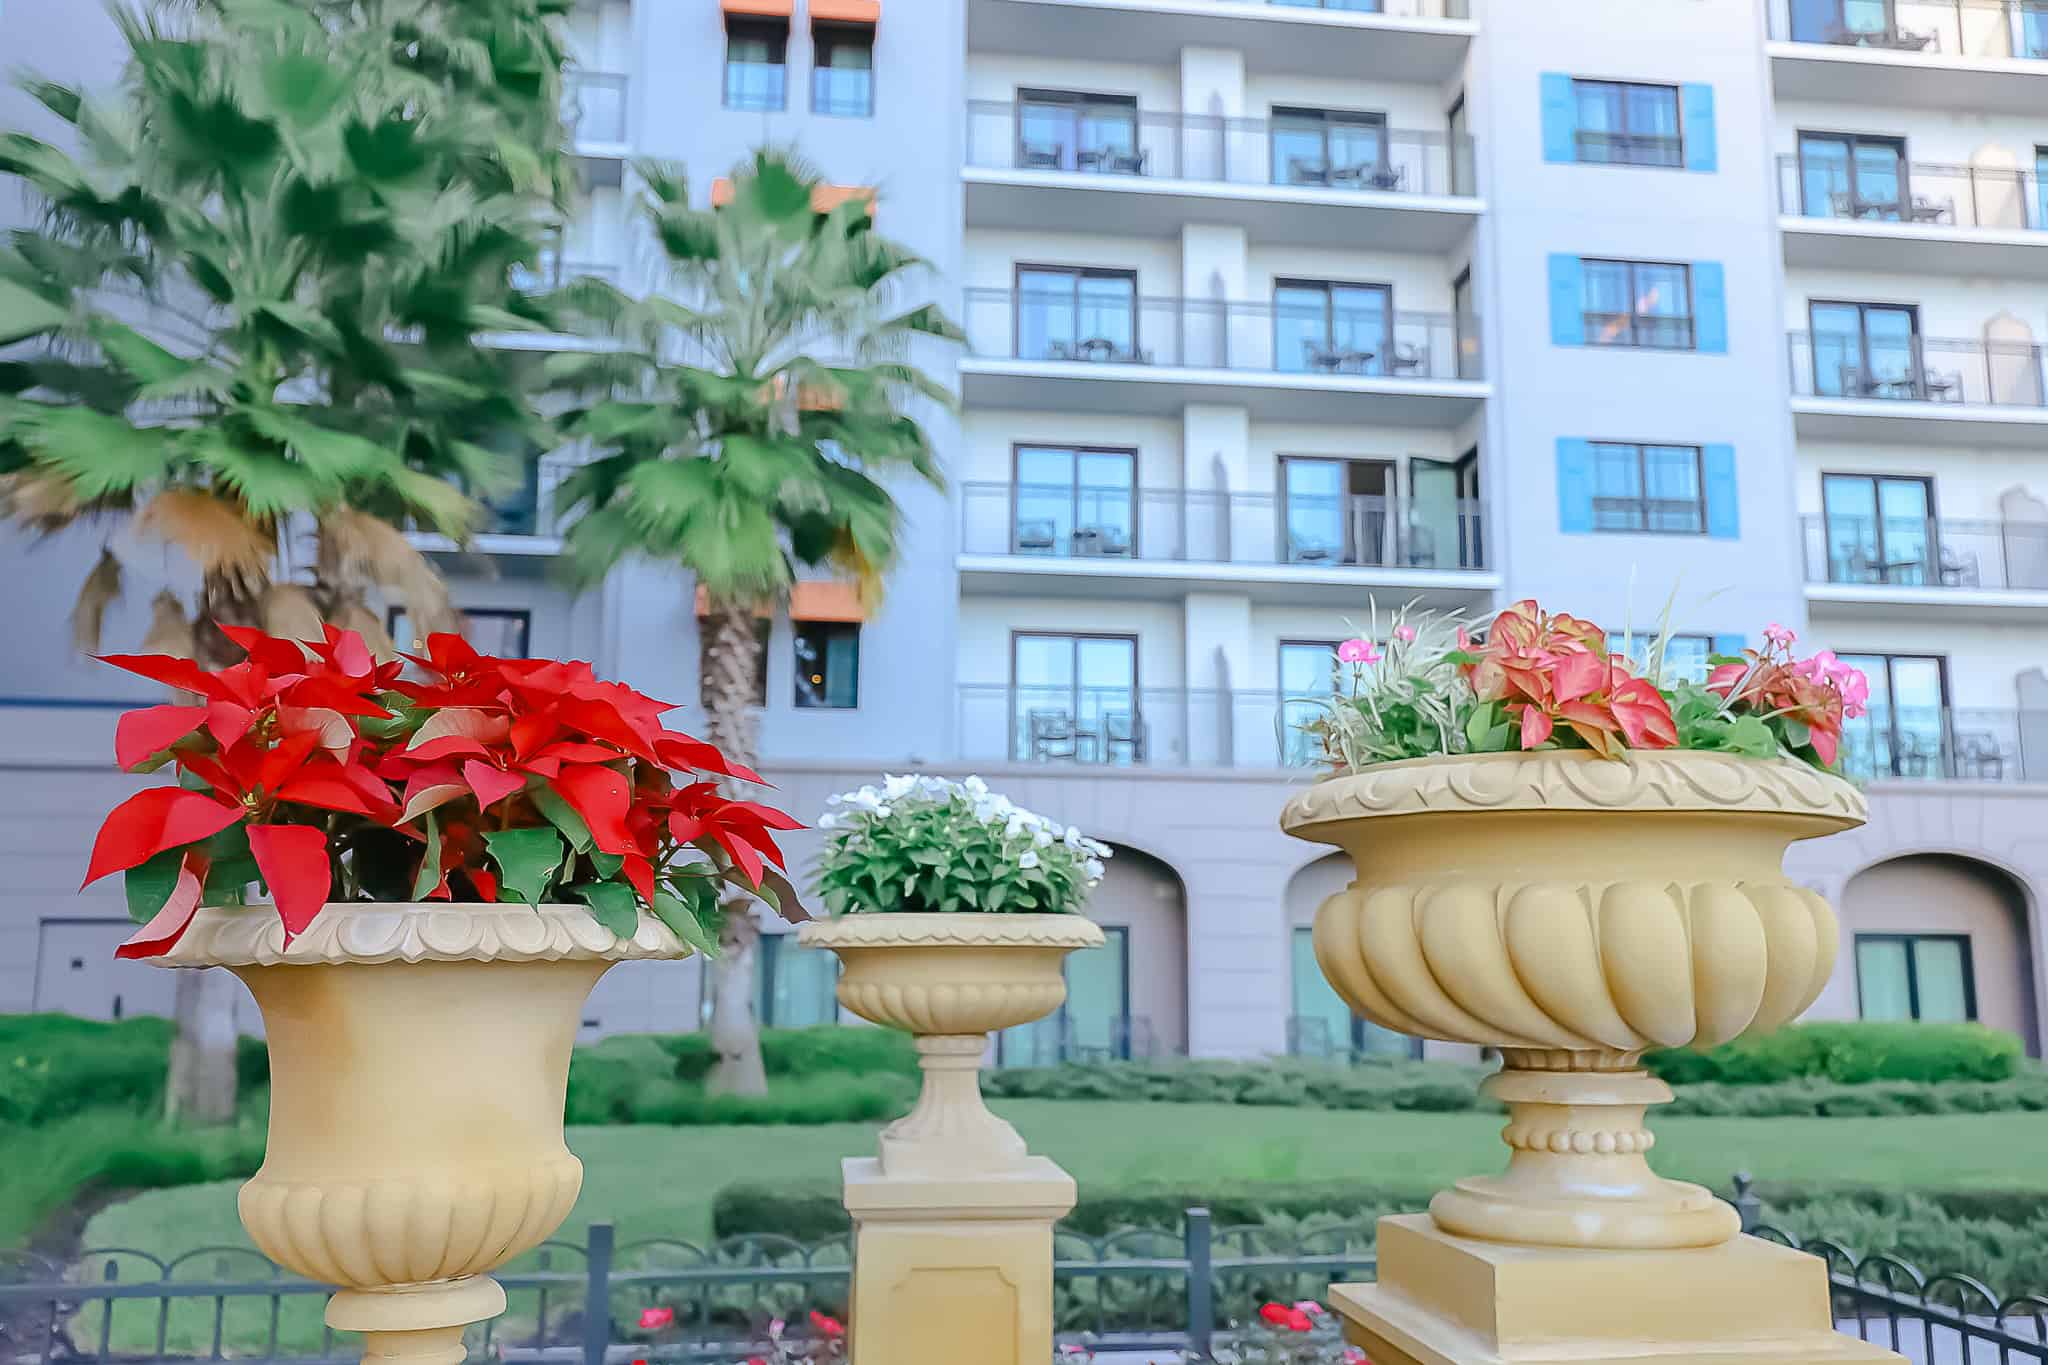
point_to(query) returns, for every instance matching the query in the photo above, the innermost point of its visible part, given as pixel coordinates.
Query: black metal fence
(667, 1300)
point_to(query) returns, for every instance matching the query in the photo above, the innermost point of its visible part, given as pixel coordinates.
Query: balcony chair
(1928, 209)
(1978, 756)
(1112, 161)
(1106, 542)
(1037, 536)
(1040, 156)
(1918, 755)
(1301, 551)
(1125, 731)
(1936, 387)
(1370, 175)
(1959, 568)
(1052, 735)
(1339, 359)
(1104, 351)
(1301, 172)
(1408, 359)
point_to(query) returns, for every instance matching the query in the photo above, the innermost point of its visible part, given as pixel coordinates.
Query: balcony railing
(1045, 521)
(1921, 193)
(1969, 28)
(1923, 552)
(1218, 335)
(1412, 9)
(1131, 727)
(1354, 158)
(1945, 743)
(552, 271)
(594, 108)
(1919, 369)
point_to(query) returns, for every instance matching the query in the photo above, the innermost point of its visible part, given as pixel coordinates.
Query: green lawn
(658, 1182)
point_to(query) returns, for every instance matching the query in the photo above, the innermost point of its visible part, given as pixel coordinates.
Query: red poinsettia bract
(323, 774)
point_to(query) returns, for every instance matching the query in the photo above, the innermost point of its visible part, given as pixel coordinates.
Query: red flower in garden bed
(321, 774)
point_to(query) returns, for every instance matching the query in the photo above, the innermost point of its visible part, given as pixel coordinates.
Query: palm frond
(101, 589)
(223, 538)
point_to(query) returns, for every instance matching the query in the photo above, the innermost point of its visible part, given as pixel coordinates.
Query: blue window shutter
(1724, 514)
(1730, 645)
(1709, 308)
(1700, 152)
(1560, 118)
(1574, 485)
(1567, 300)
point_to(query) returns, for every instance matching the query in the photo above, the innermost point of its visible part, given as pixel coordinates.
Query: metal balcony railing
(1923, 552)
(1219, 335)
(1946, 744)
(1969, 28)
(1344, 156)
(1917, 369)
(1059, 521)
(1922, 193)
(1411, 9)
(594, 108)
(1096, 727)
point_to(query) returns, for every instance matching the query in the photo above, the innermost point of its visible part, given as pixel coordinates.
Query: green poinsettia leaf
(429, 875)
(684, 923)
(613, 904)
(563, 817)
(1750, 735)
(150, 884)
(527, 860)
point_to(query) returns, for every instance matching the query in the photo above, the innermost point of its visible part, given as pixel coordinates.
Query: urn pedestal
(953, 1221)
(1573, 912)
(419, 1056)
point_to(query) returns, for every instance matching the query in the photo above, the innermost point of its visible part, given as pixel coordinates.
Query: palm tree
(250, 312)
(749, 426)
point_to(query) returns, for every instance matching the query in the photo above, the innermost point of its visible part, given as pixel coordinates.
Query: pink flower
(1782, 636)
(1309, 1306)
(1354, 1356)
(1358, 652)
(652, 1319)
(1405, 634)
(1855, 690)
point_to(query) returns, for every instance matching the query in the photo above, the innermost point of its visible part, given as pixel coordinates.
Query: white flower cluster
(1032, 830)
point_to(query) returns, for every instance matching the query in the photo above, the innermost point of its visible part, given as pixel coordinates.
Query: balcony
(1423, 41)
(1922, 566)
(1298, 182)
(1982, 55)
(594, 111)
(1106, 354)
(520, 525)
(1946, 744)
(1916, 217)
(1158, 542)
(553, 270)
(1920, 389)
(1094, 729)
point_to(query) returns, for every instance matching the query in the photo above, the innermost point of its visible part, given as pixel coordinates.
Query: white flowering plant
(931, 844)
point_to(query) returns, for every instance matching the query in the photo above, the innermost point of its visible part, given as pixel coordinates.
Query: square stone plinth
(953, 1268)
(1444, 1300)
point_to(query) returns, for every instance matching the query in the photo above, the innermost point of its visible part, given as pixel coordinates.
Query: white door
(77, 972)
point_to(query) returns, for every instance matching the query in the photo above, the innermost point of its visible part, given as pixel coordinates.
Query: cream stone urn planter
(951, 979)
(1572, 912)
(419, 1056)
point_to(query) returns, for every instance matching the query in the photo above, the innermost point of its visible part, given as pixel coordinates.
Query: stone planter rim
(1646, 781)
(367, 933)
(950, 929)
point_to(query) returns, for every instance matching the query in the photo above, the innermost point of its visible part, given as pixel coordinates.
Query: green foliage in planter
(1850, 1051)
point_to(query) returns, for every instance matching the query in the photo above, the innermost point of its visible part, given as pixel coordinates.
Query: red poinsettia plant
(319, 774)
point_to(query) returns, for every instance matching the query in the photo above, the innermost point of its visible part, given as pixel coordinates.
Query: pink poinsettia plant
(1538, 680)
(317, 773)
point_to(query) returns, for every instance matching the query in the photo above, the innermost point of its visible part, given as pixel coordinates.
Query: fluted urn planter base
(419, 1056)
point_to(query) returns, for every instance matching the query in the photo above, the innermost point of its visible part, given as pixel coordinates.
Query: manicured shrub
(797, 1100)
(1850, 1051)
(827, 1048)
(52, 1065)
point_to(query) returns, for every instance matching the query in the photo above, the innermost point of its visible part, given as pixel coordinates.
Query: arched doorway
(1319, 1023)
(1941, 938)
(1128, 998)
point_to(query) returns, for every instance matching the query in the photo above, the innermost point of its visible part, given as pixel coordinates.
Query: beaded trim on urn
(1645, 781)
(222, 936)
(959, 927)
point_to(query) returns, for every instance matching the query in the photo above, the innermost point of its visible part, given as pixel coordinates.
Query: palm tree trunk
(200, 1089)
(731, 675)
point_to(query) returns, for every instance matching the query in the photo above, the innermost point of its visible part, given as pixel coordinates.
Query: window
(1064, 130)
(1076, 698)
(1308, 669)
(1464, 178)
(1334, 328)
(502, 631)
(1094, 1023)
(1623, 124)
(843, 71)
(1465, 324)
(762, 627)
(1322, 147)
(1075, 502)
(1867, 350)
(1880, 529)
(1648, 488)
(1685, 656)
(756, 74)
(1915, 976)
(1441, 529)
(795, 985)
(1077, 314)
(1905, 727)
(1339, 511)
(1322, 1025)
(1638, 303)
(827, 664)
(1842, 176)
(1846, 21)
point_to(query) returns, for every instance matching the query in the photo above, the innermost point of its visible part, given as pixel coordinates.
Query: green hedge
(816, 1075)
(1851, 1052)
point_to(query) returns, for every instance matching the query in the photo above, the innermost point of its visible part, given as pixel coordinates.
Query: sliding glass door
(1880, 529)
(1866, 350)
(1076, 698)
(1094, 1024)
(1075, 501)
(1905, 730)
